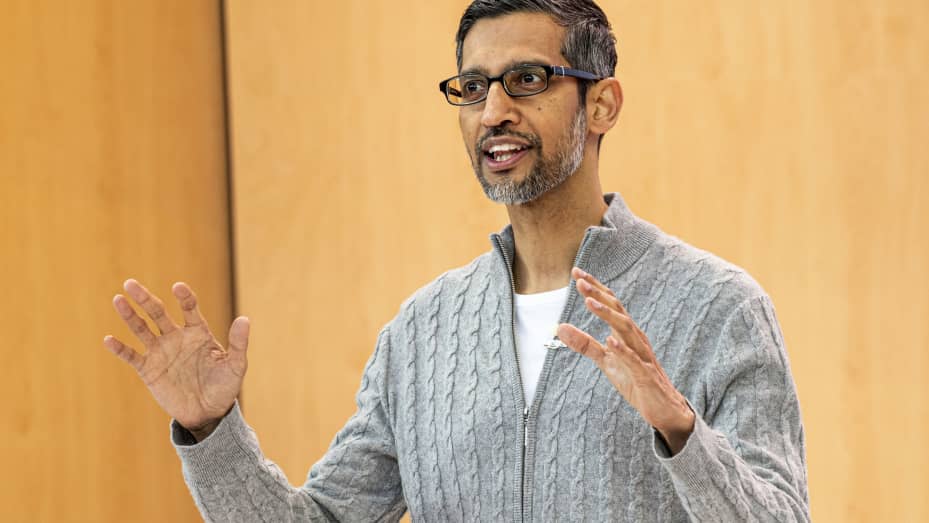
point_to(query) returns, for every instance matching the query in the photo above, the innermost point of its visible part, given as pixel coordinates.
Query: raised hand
(192, 377)
(628, 361)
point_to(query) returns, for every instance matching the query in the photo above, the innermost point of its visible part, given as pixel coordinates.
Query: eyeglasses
(523, 80)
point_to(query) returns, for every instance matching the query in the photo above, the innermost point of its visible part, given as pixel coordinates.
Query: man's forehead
(495, 43)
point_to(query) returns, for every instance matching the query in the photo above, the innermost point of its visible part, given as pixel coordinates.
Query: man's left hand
(628, 361)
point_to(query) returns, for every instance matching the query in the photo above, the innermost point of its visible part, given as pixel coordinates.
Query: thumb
(238, 336)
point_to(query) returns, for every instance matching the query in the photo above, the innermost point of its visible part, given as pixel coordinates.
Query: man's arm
(196, 381)
(357, 479)
(743, 458)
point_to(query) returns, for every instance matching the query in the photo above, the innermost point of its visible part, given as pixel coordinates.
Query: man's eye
(473, 87)
(530, 78)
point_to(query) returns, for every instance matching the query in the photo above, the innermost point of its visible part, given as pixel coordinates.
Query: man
(665, 394)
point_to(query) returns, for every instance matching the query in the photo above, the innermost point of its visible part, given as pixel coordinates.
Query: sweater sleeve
(356, 480)
(745, 460)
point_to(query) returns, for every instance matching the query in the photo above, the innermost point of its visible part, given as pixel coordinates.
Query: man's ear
(604, 101)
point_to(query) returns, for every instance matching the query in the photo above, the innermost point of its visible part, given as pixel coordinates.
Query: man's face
(521, 148)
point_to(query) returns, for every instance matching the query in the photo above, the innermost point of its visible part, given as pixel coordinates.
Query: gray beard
(546, 173)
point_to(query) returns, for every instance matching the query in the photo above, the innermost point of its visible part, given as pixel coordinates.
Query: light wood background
(112, 164)
(788, 137)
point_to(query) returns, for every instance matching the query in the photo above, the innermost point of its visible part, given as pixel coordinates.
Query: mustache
(495, 132)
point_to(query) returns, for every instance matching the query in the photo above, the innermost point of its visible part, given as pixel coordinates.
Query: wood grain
(112, 165)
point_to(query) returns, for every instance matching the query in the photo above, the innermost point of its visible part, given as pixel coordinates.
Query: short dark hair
(588, 44)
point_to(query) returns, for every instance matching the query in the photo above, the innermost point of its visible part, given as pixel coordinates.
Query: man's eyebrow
(474, 70)
(508, 66)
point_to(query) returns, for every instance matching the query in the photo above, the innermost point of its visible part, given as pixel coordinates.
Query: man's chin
(507, 193)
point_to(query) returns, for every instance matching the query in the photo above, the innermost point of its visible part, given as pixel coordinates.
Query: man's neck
(548, 231)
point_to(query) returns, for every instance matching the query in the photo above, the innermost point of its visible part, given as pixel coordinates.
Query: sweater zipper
(569, 306)
(520, 400)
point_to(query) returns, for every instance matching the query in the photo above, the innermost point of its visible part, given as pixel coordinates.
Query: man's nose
(499, 107)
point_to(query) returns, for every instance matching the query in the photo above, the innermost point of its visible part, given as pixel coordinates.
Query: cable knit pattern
(497, 440)
(412, 481)
(551, 484)
(432, 405)
(608, 487)
(578, 462)
(438, 430)
(451, 367)
(471, 439)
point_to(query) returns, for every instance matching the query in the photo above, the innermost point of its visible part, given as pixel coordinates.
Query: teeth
(505, 147)
(504, 151)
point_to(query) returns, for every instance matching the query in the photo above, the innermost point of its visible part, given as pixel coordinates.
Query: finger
(620, 306)
(580, 342)
(644, 339)
(135, 323)
(589, 291)
(639, 343)
(151, 305)
(124, 352)
(622, 324)
(630, 359)
(238, 336)
(188, 301)
(580, 274)
(629, 334)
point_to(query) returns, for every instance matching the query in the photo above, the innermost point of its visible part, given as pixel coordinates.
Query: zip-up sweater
(441, 428)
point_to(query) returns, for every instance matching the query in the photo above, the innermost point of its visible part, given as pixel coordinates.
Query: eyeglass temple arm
(559, 70)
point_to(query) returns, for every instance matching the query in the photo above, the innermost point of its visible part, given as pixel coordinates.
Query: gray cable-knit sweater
(441, 427)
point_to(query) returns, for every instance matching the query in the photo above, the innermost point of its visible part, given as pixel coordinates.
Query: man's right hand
(192, 377)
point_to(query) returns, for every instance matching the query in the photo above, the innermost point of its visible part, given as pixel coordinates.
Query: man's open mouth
(503, 154)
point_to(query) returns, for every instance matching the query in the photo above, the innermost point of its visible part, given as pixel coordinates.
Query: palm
(187, 371)
(191, 376)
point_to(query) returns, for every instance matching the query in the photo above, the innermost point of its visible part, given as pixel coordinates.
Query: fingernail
(581, 272)
(583, 285)
(595, 304)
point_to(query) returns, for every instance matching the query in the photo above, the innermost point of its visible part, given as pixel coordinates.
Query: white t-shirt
(537, 317)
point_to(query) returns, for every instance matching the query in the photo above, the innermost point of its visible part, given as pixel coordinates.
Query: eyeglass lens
(472, 88)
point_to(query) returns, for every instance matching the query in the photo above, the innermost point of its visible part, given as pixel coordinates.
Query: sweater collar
(608, 249)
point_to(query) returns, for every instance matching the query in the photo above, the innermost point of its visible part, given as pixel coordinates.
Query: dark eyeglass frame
(550, 70)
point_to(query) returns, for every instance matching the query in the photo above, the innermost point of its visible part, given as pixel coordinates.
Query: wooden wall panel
(351, 189)
(112, 165)
(786, 137)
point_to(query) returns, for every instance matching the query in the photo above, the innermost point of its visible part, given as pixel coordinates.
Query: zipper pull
(555, 343)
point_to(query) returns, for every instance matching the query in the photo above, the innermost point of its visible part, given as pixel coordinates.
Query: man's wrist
(676, 435)
(202, 432)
